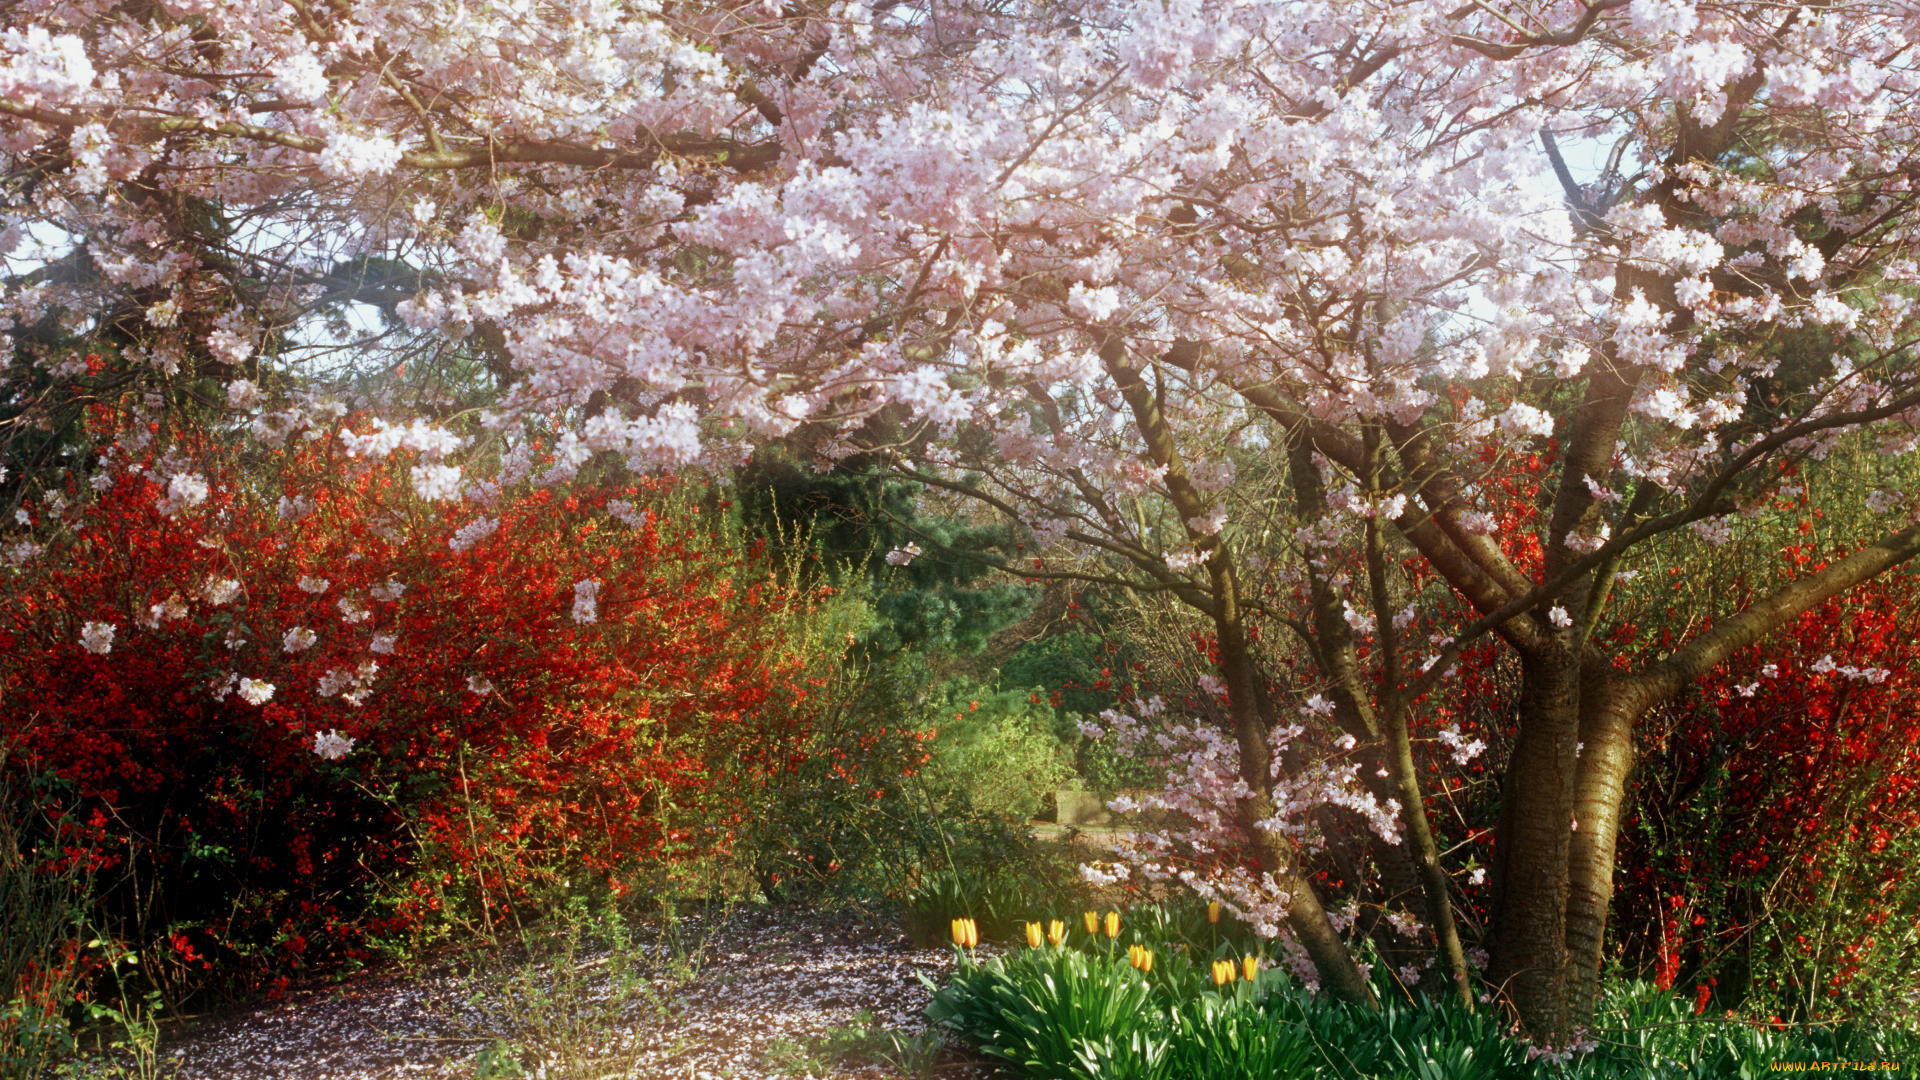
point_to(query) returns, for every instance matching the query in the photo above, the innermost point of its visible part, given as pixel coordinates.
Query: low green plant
(994, 748)
(1082, 1011)
(862, 1041)
(43, 964)
(1028, 881)
(126, 1029)
(1647, 1032)
(1058, 1014)
(1402, 1039)
(560, 1002)
(793, 1057)
(1220, 1038)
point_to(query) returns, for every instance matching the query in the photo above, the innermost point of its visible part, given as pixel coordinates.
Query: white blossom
(347, 156)
(300, 77)
(184, 490)
(586, 595)
(1462, 750)
(243, 394)
(332, 745)
(97, 637)
(472, 533)
(436, 483)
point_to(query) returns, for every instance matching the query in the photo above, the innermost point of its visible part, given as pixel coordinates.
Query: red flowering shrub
(1777, 815)
(537, 686)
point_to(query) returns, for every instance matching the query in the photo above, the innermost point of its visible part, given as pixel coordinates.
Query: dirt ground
(771, 982)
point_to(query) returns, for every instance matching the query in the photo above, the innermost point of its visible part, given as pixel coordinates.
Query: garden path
(771, 982)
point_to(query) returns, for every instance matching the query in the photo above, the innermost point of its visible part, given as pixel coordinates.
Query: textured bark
(1608, 713)
(1529, 951)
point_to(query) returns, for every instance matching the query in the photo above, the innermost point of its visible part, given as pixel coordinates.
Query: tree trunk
(1608, 712)
(1529, 944)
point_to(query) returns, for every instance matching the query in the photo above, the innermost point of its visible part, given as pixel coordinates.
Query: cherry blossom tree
(1102, 253)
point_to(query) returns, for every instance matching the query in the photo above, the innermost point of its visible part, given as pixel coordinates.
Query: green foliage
(560, 1004)
(1180, 923)
(1058, 1014)
(863, 1042)
(995, 749)
(1067, 666)
(1002, 895)
(1423, 1040)
(1218, 1037)
(1073, 673)
(1652, 1034)
(1083, 1012)
(42, 961)
(948, 601)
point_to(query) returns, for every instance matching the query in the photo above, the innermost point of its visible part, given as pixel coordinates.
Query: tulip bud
(1222, 972)
(1033, 935)
(1213, 911)
(966, 933)
(1140, 957)
(1092, 919)
(1250, 968)
(1113, 924)
(1057, 932)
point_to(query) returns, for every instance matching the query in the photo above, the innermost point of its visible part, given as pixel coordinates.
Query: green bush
(996, 749)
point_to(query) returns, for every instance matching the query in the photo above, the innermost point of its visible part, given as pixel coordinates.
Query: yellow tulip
(1213, 911)
(966, 933)
(1140, 957)
(1113, 924)
(1033, 935)
(1092, 919)
(1057, 932)
(1250, 968)
(1223, 972)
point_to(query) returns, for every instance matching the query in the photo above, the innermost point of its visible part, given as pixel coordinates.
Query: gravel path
(766, 978)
